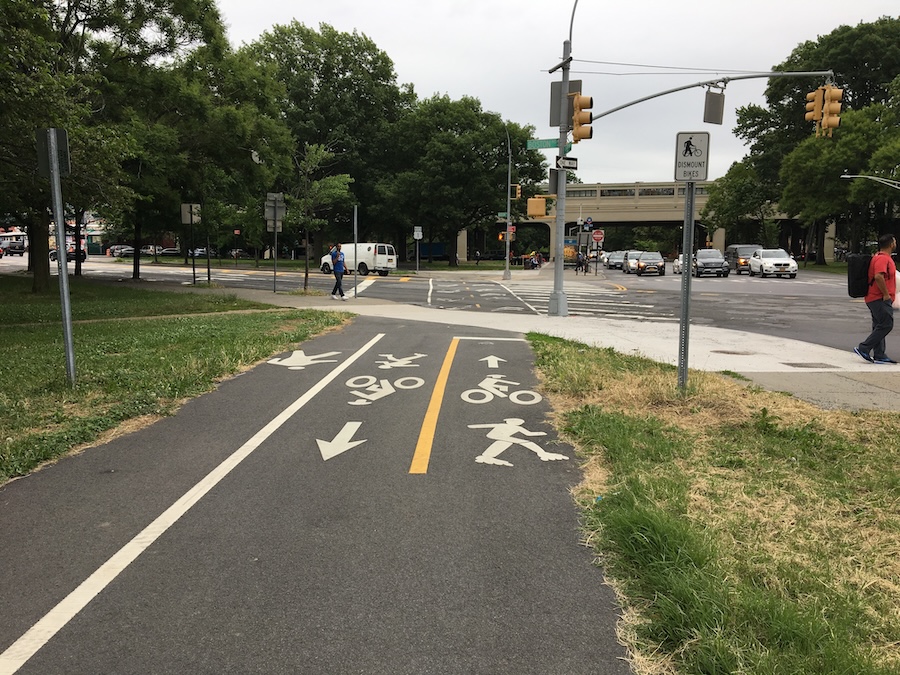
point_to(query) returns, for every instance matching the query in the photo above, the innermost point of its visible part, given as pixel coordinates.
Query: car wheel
(639, 273)
(383, 273)
(326, 268)
(763, 274)
(751, 272)
(363, 269)
(738, 272)
(792, 276)
(725, 275)
(663, 273)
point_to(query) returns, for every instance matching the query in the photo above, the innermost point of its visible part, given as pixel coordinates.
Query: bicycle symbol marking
(373, 389)
(494, 386)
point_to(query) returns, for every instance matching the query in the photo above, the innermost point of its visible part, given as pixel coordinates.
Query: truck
(366, 257)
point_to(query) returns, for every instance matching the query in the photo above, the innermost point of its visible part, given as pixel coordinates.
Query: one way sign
(570, 163)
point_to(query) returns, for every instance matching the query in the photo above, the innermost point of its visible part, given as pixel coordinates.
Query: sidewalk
(827, 377)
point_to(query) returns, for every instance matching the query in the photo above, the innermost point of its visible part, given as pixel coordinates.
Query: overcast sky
(499, 51)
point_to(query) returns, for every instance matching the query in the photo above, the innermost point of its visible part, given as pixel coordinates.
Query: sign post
(274, 216)
(190, 213)
(691, 161)
(53, 162)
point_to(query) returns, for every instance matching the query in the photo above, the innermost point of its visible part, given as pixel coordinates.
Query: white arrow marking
(341, 442)
(493, 361)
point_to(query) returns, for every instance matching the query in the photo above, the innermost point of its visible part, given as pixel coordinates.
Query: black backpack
(858, 274)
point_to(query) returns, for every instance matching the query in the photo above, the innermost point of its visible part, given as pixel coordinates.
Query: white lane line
(363, 285)
(53, 621)
(520, 299)
(430, 289)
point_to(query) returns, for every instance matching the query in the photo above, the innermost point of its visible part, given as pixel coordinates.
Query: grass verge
(138, 353)
(745, 531)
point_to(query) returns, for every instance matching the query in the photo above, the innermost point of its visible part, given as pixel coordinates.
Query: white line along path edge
(53, 621)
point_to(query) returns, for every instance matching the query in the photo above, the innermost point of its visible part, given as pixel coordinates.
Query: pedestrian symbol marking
(504, 436)
(298, 360)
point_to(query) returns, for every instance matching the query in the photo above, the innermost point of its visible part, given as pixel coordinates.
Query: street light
(878, 179)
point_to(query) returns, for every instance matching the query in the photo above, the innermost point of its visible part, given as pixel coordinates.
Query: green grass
(746, 532)
(136, 353)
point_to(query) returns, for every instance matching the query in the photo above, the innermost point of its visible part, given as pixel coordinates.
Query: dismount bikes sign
(691, 156)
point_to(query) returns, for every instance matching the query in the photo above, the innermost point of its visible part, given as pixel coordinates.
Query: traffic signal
(831, 108)
(515, 191)
(814, 107)
(537, 207)
(581, 119)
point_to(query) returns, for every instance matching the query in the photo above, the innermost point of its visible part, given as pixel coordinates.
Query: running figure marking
(392, 361)
(504, 436)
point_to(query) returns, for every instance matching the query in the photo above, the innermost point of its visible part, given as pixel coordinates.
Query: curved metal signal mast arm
(721, 82)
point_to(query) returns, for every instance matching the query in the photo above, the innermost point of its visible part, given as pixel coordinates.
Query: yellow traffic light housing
(537, 207)
(581, 118)
(831, 108)
(515, 191)
(814, 107)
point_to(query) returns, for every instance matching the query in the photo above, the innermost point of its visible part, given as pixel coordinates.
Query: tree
(738, 202)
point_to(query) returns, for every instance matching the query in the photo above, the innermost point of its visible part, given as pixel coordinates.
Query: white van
(367, 257)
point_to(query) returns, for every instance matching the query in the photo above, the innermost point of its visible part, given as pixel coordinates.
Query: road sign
(417, 232)
(598, 235)
(691, 156)
(588, 221)
(511, 228)
(570, 163)
(540, 143)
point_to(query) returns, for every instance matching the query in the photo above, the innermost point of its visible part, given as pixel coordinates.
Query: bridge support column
(718, 239)
(462, 245)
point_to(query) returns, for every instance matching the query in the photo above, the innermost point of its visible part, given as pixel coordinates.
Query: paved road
(813, 308)
(390, 499)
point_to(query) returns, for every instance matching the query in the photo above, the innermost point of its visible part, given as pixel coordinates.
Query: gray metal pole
(61, 254)
(506, 273)
(687, 251)
(275, 260)
(558, 305)
(355, 253)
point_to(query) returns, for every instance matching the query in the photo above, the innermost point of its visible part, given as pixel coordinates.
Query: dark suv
(738, 256)
(710, 261)
(15, 248)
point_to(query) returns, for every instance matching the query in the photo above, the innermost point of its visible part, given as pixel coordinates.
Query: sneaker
(861, 354)
(335, 296)
(343, 297)
(885, 359)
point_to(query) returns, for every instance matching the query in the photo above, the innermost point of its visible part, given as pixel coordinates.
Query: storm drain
(809, 365)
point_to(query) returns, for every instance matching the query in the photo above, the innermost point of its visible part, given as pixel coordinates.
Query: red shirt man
(882, 291)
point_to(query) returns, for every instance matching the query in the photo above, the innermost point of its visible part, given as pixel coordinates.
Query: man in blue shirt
(337, 265)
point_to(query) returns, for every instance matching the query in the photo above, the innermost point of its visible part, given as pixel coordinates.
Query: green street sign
(545, 144)
(502, 214)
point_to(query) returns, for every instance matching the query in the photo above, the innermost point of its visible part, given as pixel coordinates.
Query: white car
(777, 261)
(677, 264)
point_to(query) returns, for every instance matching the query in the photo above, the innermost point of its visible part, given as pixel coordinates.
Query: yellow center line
(429, 424)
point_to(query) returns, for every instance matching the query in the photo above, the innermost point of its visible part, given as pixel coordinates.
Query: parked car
(170, 252)
(614, 260)
(151, 250)
(677, 264)
(70, 255)
(651, 262)
(202, 252)
(738, 256)
(121, 251)
(777, 261)
(238, 253)
(710, 261)
(629, 262)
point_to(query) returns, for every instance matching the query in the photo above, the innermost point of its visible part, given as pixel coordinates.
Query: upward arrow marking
(341, 442)
(493, 361)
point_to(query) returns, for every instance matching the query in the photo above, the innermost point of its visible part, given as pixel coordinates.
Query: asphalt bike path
(387, 498)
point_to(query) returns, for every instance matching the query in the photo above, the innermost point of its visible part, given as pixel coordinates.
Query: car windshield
(650, 255)
(618, 255)
(775, 253)
(708, 253)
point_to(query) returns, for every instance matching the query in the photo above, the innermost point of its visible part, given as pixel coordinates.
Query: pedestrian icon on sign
(688, 147)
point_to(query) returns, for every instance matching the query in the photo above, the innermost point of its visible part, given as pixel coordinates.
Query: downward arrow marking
(341, 442)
